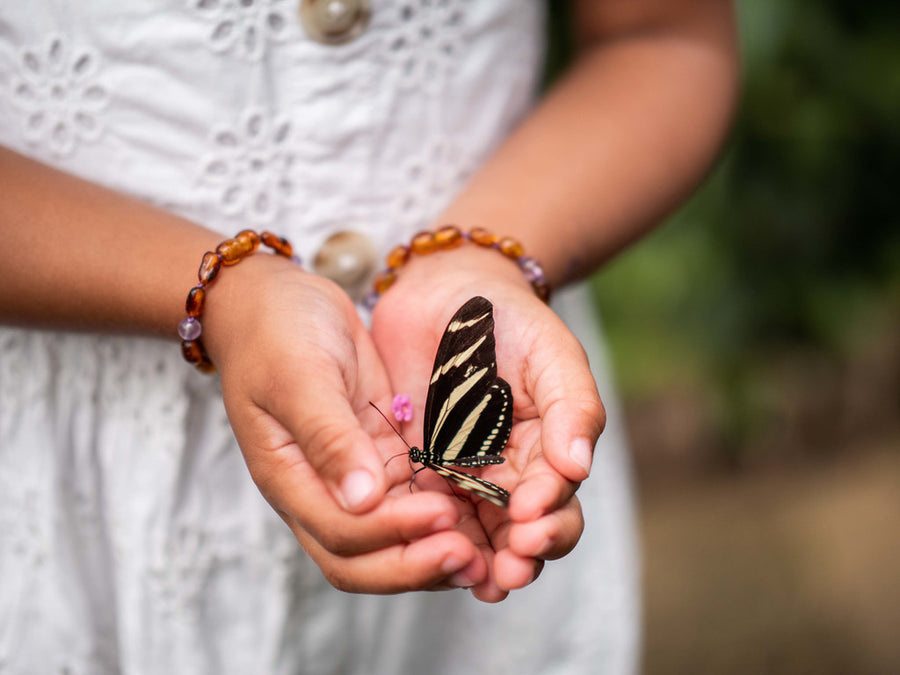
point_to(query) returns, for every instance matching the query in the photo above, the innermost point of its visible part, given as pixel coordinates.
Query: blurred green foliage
(792, 245)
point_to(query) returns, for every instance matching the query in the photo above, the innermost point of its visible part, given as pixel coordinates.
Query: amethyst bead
(531, 269)
(190, 329)
(370, 300)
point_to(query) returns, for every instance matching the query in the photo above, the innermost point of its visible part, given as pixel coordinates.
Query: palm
(408, 342)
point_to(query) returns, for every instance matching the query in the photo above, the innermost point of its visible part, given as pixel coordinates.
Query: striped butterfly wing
(483, 488)
(468, 412)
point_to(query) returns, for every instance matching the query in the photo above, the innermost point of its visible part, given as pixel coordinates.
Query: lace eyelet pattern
(245, 28)
(427, 40)
(59, 91)
(439, 169)
(249, 170)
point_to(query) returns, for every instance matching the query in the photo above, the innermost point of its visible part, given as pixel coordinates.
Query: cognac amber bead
(480, 236)
(423, 243)
(511, 248)
(192, 351)
(384, 281)
(278, 244)
(542, 290)
(249, 241)
(196, 299)
(231, 251)
(398, 257)
(209, 267)
(448, 236)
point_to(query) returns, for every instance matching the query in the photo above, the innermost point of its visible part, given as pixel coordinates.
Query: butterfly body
(483, 488)
(468, 411)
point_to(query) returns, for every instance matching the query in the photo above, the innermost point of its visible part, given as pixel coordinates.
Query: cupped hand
(558, 415)
(298, 371)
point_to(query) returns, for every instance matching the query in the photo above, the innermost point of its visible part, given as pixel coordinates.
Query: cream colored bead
(334, 21)
(348, 259)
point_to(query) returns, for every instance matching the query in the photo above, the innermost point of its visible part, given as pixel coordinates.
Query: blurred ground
(770, 503)
(788, 570)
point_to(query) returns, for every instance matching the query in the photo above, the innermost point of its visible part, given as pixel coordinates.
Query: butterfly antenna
(395, 431)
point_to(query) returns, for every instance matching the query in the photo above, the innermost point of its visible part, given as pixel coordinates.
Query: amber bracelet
(448, 237)
(229, 252)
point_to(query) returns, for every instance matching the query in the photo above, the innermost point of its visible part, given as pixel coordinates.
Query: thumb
(572, 414)
(319, 416)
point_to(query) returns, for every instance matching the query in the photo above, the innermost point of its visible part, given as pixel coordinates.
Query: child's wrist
(232, 261)
(477, 252)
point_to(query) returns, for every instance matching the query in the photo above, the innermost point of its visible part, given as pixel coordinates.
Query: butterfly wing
(484, 433)
(484, 489)
(468, 412)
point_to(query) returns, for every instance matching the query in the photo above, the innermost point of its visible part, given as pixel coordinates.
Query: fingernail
(544, 547)
(582, 453)
(443, 522)
(453, 563)
(461, 579)
(356, 487)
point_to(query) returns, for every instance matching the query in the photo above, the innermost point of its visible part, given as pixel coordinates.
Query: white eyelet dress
(132, 539)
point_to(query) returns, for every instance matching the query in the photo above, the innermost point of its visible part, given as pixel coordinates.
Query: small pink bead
(402, 408)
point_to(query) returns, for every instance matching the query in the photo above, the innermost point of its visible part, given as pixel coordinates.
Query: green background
(791, 250)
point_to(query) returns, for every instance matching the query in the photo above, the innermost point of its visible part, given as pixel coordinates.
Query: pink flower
(402, 408)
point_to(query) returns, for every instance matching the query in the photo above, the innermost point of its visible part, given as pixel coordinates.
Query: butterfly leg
(460, 497)
(412, 481)
(449, 482)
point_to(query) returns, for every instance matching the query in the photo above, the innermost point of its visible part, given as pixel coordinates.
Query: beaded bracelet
(229, 252)
(448, 237)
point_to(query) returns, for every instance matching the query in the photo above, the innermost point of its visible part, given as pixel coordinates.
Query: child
(140, 135)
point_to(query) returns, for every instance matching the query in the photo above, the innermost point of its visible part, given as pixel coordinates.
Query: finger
(472, 526)
(420, 565)
(511, 571)
(295, 490)
(541, 490)
(315, 407)
(468, 577)
(508, 569)
(571, 412)
(550, 537)
(489, 590)
(491, 542)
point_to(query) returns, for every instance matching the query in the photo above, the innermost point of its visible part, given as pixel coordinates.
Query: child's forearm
(81, 256)
(620, 141)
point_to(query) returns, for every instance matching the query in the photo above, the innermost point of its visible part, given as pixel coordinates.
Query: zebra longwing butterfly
(468, 412)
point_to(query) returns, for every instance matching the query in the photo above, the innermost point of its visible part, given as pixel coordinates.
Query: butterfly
(468, 412)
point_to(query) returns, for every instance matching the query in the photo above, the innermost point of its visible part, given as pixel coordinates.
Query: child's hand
(298, 371)
(558, 413)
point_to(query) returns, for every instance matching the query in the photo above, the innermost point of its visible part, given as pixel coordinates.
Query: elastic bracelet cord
(448, 237)
(229, 252)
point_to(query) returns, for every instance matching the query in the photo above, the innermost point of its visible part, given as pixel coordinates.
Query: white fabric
(132, 539)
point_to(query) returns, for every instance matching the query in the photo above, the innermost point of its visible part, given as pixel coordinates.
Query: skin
(556, 402)
(622, 139)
